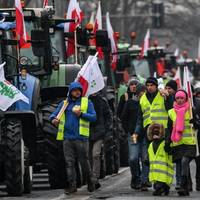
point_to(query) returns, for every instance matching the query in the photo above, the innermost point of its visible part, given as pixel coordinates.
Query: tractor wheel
(54, 150)
(14, 164)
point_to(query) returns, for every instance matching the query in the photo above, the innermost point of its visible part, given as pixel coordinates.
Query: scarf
(179, 125)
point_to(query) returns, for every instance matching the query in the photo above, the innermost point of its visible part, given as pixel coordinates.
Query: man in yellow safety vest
(73, 117)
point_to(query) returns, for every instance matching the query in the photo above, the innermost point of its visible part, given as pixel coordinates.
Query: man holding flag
(73, 117)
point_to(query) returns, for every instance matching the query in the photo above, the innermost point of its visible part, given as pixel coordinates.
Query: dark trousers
(197, 160)
(95, 149)
(76, 149)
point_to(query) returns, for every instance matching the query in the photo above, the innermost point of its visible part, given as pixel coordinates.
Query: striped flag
(146, 44)
(73, 12)
(112, 38)
(20, 24)
(98, 26)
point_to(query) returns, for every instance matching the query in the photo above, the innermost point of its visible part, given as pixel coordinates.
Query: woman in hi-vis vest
(182, 136)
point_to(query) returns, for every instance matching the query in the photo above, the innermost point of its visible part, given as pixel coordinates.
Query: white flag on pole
(9, 94)
(90, 77)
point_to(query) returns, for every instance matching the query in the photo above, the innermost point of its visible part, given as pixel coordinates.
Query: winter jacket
(102, 127)
(71, 129)
(129, 115)
(139, 125)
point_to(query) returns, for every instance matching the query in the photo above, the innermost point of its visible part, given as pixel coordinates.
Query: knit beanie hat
(181, 93)
(133, 81)
(152, 80)
(140, 88)
(172, 84)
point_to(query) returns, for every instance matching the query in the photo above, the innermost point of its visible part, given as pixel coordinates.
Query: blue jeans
(138, 152)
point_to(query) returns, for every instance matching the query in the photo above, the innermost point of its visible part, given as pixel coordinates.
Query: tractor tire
(2, 149)
(13, 158)
(54, 150)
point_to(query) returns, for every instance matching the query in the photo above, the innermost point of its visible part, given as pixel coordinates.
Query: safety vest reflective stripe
(161, 166)
(158, 118)
(162, 172)
(146, 116)
(162, 163)
(154, 112)
(83, 124)
(188, 136)
(158, 110)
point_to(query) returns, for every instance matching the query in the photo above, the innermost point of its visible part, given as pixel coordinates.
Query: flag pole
(75, 46)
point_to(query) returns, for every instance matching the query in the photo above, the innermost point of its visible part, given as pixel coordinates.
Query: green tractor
(17, 126)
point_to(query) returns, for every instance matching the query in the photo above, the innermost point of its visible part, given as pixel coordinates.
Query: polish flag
(73, 12)
(98, 20)
(146, 44)
(45, 3)
(98, 26)
(90, 77)
(112, 38)
(177, 78)
(20, 24)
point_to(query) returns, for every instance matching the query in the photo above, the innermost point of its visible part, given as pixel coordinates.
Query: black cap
(172, 84)
(152, 80)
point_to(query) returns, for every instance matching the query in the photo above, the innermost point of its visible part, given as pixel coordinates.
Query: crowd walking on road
(161, 129)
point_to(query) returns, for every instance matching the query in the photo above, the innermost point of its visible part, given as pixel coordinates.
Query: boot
(91, 185)
(135, 183)
(71, 189)
(160, 189)
(184, 190)
(144, 187)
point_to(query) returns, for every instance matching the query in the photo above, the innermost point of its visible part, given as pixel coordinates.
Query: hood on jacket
(75, 85)
(155, 129)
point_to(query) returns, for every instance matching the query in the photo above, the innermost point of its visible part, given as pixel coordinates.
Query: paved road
(115, 187)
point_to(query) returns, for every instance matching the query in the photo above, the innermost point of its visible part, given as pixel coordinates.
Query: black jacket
(129, 115)
(102, 127)
(122, 102)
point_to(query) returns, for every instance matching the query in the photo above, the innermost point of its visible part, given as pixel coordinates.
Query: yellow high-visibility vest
(161, 166)
(188, 136)
(84, 126)
(154, 112)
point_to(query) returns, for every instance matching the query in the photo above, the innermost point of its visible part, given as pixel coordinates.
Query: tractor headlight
(23, 60)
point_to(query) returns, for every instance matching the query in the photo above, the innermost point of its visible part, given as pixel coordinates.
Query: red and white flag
(98, 20)
(146, 44)
(45, 3)
(73, 12)
(90, 77)
(20, 24)
(177, 78)
(112, 38)
(98, 26)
